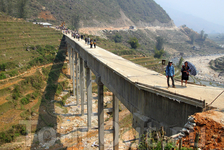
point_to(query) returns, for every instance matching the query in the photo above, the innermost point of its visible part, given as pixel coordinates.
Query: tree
(2, 6)
(75, 22)
(159, 53)
(133, 42)
(180, 62)
(202, 34)
(159, 43)
(205, 36)
(117, 38)
(10, 7)
(192, 37)
(22, 10)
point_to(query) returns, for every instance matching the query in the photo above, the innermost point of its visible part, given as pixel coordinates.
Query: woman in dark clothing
(86, 40)
(91, 43)
(185, 73)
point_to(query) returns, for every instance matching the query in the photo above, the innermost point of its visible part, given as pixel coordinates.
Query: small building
(44, 24)
(196, 47)
(132, 27)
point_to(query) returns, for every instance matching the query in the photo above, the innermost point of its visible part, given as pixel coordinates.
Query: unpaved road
(204, 70)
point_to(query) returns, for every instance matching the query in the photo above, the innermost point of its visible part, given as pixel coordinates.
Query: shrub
(59, 89)
(117, 38)
(35, 95)
(158, 53)
(134, 42)
(159, 43)
(13, 73)
(45, 71)
(16, 93)
(2, 67)
(11, 134)
(28, 96)
(2, 76)
(24, 101)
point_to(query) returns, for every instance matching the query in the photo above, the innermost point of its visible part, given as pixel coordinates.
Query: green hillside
(21, 43)
(100, 12)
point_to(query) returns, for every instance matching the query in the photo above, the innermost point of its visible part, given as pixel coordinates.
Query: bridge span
(144, 92)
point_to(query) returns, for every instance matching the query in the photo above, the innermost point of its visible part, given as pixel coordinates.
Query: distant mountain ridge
(101, 13)
(193, 22)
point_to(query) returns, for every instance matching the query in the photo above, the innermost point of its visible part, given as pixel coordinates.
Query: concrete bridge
(144, 92)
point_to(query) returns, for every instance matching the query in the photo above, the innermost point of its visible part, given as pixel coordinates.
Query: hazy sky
(210, 10)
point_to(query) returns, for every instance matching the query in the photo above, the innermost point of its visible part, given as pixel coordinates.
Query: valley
(36, 84)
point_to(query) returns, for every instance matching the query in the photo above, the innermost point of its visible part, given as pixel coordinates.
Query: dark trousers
(91, 45)
(168, 80)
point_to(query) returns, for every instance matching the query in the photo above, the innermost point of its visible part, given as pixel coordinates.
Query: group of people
(90, 42)
(170, 73)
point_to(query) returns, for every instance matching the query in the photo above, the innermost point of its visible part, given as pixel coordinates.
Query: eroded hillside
(102, 13)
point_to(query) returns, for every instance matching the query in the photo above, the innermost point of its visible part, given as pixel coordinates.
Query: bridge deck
(139, 74)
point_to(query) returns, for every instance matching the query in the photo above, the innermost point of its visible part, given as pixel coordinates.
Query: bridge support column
(68, 50)
(115, 123)
(70, 61)
(89, 96)
(73, 72)
(81, 84)
(77, 78)
(100, 115)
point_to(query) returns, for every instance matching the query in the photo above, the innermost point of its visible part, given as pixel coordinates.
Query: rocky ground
(75, 131)
(204, 70)
(210, 127)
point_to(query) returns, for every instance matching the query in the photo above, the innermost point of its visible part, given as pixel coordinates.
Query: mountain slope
(103, 13)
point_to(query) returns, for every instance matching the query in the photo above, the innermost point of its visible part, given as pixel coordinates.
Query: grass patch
(6, 107)
(10, 135)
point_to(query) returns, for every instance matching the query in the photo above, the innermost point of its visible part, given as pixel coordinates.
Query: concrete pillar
(89, 96)
(115, 123)
(68, 49)
(100, 115)
(73, 72)
(70, 61)
(77, 78)
(81, 84)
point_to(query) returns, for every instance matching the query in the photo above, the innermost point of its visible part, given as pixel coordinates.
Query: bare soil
(210, 126)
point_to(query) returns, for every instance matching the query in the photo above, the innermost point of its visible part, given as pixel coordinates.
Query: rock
(189, 125)
(191, 119)
(184, 130)
(33, 114)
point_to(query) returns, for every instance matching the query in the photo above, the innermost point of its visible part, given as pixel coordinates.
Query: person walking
(94, 42)
(185, 73)
(91, 43)
(78, 36)
(86, 40)
(170, 73)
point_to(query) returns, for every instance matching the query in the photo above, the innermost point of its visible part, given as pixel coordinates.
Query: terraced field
(19, 41)
(15, 37)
